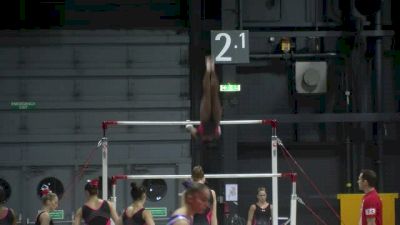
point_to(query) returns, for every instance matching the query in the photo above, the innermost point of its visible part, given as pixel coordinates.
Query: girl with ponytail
(50, 203)
(136, 214)
(95, 211)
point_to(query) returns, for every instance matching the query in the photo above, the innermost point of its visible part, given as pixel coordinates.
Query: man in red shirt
(371, 206)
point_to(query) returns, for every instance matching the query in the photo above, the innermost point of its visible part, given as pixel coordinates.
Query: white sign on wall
(231, 192)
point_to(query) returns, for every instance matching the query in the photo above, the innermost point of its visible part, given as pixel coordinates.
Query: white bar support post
(104, 164)
(274, 159)
(293, 202)
(114, 193)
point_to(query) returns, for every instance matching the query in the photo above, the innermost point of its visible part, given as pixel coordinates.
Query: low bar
(208, 176)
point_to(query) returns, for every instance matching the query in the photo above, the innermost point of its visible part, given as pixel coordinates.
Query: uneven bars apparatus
(274, 150)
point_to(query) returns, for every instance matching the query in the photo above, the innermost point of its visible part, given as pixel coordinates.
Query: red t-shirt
(371, 207)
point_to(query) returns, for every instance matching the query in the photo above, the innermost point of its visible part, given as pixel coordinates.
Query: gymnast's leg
(205, 104)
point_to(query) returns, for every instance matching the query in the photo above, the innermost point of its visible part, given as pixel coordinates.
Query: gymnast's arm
(251, 214)
(78, 217)
(192, 130)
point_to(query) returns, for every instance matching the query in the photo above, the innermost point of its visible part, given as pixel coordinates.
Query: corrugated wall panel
(77, 79)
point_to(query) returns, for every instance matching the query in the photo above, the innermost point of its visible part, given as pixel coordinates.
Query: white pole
(208, 176)
(274, 162)
(104, 167)
(293, 203)
(114, 194)
(174, 123)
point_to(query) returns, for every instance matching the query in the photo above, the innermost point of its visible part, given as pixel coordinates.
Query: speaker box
(311, 77)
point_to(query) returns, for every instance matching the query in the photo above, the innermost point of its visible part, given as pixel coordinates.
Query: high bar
(183, 123)
(208, 176)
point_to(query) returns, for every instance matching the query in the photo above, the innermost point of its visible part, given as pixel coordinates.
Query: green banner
(57, 214)
(23, 105)
(158, 211)
(229, 87)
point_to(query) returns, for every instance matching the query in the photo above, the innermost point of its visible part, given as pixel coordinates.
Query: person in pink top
(195, 200)
(371, 206)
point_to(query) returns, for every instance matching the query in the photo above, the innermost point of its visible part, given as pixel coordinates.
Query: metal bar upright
(104, 163)
(274, 158)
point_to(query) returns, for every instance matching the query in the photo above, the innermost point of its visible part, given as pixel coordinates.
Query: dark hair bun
(137, 191)
(133, 185)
